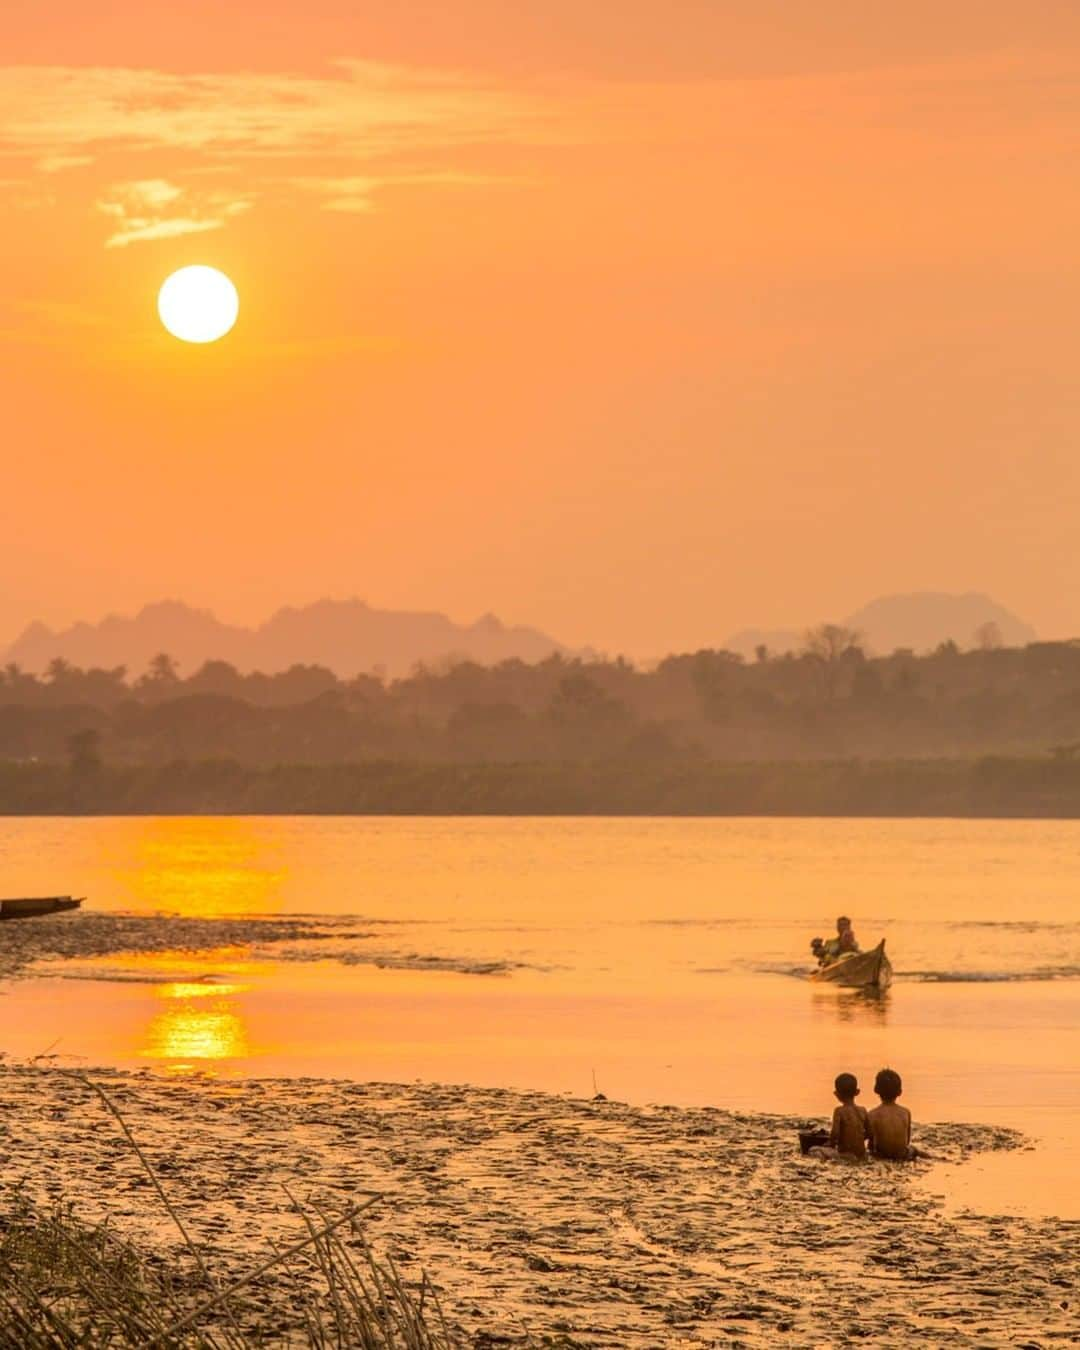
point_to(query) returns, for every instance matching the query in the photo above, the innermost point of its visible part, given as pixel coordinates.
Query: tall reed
(68, 1283)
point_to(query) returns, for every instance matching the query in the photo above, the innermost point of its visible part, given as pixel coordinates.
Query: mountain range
(348, 636)
(919, 621)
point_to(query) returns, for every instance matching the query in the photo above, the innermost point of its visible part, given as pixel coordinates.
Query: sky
(639, 322)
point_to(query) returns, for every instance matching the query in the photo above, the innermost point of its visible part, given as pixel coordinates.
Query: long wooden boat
(31, 908)
(864, 970)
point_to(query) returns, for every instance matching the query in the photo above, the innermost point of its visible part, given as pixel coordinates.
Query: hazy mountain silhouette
(348, 636)
(920, 621)
(926, 618)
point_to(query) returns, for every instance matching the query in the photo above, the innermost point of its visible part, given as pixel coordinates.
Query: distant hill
(920, 621)
(925, 619)
(348, 636)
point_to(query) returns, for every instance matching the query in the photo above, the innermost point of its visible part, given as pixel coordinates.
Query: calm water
(659, 959)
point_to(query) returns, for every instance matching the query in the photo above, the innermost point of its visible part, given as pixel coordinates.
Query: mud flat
(544, 1220)
(41, 946)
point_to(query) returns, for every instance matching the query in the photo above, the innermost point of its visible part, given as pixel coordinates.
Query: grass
(67, 1283)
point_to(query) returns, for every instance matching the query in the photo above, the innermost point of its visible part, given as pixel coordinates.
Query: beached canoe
(864, 970)
(30, 909)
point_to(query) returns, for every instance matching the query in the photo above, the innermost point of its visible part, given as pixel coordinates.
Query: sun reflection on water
(200, 989)
(201, 867)
(178, 1035)
(201, 1025)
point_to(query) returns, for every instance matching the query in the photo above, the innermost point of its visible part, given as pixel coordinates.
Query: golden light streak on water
(205, 868)
(184, 989)
(185, 1032)
(187, 1029)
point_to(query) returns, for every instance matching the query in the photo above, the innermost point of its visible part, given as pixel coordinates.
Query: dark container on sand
(809, 1139)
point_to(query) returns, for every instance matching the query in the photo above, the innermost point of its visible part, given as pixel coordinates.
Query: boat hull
(866, 970)
(34, 907)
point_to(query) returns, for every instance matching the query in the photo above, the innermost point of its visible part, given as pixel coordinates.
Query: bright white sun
(198, 304)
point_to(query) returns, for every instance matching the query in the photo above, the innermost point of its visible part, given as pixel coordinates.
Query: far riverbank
(1033, 787)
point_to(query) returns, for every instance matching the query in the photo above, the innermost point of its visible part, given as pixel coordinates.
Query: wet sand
(352, 941)
(551, 1221)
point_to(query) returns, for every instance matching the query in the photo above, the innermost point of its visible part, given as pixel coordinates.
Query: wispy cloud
(349, 194)
(135, 230)
(361, 108)
(152, 193)
(353, 193)
(262, 131)
(58, 163)
(146, 209)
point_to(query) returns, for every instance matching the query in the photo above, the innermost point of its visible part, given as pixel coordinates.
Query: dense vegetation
(826, 730)
(993, 786)
(829, 701)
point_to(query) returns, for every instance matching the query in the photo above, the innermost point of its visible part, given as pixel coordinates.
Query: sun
(198, 304)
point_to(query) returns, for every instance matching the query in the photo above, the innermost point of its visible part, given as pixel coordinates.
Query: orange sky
(640, 322)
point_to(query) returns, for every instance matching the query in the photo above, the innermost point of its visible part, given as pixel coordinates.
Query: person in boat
(846, 945)
(890, 1123)
(843, 944)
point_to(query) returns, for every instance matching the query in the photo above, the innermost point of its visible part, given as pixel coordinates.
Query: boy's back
(890, 1131)
(849, 1129)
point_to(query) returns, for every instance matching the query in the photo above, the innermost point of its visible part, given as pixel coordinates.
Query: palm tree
(59, 670)
(162, 669)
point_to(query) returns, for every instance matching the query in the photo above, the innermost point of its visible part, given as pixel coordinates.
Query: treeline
(1035, 787)
(830, 701)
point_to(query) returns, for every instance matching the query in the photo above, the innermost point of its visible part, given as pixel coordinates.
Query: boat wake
(1036, 975)
(1016, 925)
(778, 968)
(1041, 974)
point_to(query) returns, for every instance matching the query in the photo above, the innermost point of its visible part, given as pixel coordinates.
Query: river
(654, 960)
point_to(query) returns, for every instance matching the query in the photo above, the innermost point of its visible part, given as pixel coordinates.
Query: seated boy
(890, 1124)
(849, 1122)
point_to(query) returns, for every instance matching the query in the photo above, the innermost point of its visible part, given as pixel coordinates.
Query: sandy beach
(550, 1221)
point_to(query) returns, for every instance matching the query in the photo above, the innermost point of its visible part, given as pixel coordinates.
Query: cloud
(349, 194)
(143, 209)
(248, 125)
(361, 108)
(135, 230)
(353, 193)
(153, 192)
(58, 163)
(359, 112)
(364, 128)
